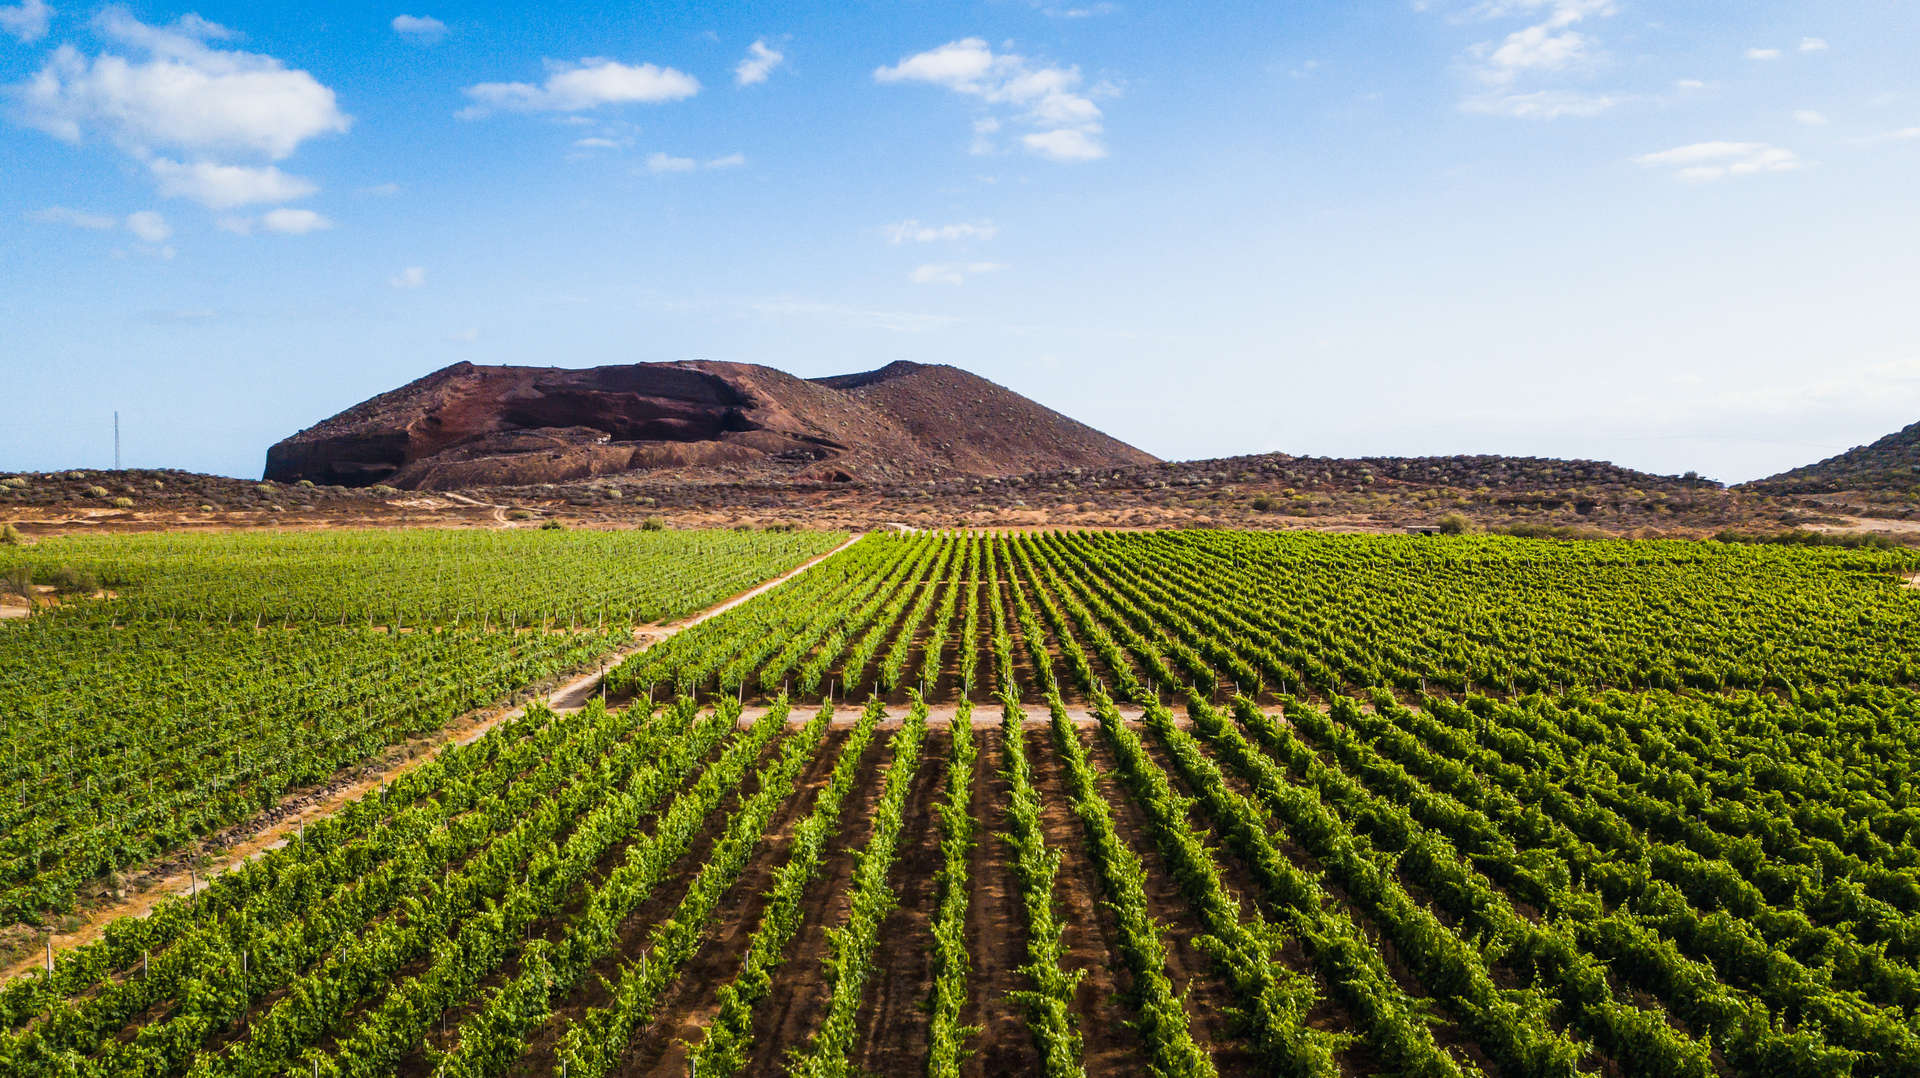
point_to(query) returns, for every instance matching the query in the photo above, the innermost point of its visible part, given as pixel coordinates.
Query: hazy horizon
(1675, 237)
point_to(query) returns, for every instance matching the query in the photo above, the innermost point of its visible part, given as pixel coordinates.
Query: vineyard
(1082, 803)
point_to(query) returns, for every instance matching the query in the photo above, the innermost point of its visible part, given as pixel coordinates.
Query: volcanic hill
(470, 426)
(1890, 464)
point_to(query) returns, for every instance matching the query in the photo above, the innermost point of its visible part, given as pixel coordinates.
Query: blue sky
(1671, 235)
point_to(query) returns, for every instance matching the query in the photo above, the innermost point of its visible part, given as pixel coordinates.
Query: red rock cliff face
(507, 426)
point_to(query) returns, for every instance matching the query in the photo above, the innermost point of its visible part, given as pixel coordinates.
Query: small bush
(307, 483)
(552, 525)
(519, 514)
(1262, 504)
(1455, 524)
(17, 580)
(382, 489)
(123, 503)
(73, 581)
(783, 526)
(208, 508)
(97, 492)
(14, 481)
(653, 524)
(10, 535)
(743, 527)
(76, 475)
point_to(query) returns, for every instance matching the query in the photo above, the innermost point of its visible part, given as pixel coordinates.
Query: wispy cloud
(1706, 161)
(61, 215)
(1517, 71)
(1065, 124)
(27, 21)
(1763, 54)
(951, 272)
(223, 187)
(1813, 44)
(423, 29)
(759, 62)
(576, 87)
(409, 278)
(912, 231)
(662, 163)
(285, 222)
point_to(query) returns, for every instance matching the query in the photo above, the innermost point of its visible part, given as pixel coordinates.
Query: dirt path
(187, 872)
(996, 927)
(797, 998)
(1110, 1044)
(895, 1016)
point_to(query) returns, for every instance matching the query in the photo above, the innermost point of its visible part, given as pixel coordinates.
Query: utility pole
(116, 441)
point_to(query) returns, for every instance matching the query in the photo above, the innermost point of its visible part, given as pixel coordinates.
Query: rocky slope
(1891, 465)
(468, 426)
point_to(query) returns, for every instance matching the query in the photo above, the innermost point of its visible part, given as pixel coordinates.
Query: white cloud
(950, 272)
(912, 231)
(1813, 44)
(759, 62)
(1066, 122)
(575, 87)
(424, 29)
(27, 21)
(183, 94)
(411, 277)
(1536, 48)
(1703, 161)
(1550, 46)
(465, 336)
(294, 222)
(1690, 84)
(284, 221)
(1763, 54)
(661, 162)
(1810, 118)
(149, 227)
(1904, 134)
(1540, 104)
(223, 187)
(1064, 144)
(61, 215)
(596, 143)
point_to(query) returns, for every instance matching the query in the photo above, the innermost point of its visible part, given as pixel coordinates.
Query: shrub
(123, 503)
(382, 489)
(17, 579)
(1262, 504)
(97, 492)
(653, 524)
(10, 535)
(76, 475)
(264, 488)
(519, 514)
(73, 581)
(308, 483)
(552, 525)
(208, 508)
(1455, 524)
(14, 481)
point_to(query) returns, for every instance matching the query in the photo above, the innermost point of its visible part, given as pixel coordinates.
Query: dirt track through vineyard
(187, 873)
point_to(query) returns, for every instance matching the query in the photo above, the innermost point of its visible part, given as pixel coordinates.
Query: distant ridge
(1890, 464)
(471, 426)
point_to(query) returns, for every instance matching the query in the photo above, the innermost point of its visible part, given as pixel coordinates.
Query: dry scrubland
(1267, 492)
(1073, 802)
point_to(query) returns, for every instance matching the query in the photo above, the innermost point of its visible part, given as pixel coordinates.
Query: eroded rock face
(469, 426)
